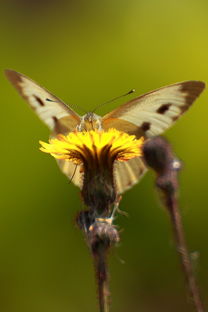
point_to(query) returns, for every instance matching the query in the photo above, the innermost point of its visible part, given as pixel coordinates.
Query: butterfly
(148, 115)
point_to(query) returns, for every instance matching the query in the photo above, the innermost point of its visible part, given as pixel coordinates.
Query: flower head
(96, 151)
(78, 147)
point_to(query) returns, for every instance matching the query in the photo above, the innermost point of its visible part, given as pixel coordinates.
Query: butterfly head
(90, 121)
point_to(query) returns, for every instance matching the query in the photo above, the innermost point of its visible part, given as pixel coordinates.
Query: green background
(87, 52)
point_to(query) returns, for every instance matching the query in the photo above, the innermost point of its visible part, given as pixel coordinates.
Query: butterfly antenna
(49, 100)
(72, 177)
(116, 98)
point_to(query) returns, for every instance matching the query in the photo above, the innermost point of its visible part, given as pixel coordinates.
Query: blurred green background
(87, 52)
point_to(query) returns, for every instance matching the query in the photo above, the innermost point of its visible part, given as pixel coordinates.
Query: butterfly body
(90, 121)
(147, 115)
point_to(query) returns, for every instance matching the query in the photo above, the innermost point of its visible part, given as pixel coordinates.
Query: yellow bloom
(93, 145)
(96, 151)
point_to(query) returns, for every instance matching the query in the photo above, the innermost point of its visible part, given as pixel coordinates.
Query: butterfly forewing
(154, 112)
(57, 116)
(149, 115)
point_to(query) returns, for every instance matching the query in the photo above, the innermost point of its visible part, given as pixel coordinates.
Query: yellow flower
(93, 145)
(96, 151)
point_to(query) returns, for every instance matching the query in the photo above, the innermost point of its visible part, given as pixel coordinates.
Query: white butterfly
(148, 115)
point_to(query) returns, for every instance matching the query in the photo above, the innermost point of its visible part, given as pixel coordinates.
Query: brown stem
(101, 235)
(102, 279)
(158, 155)
(175, 216)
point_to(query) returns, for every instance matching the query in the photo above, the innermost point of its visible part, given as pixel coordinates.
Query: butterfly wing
(57, 116)
(154, 112)
(128, 173)
(149, 115)
(73, 172)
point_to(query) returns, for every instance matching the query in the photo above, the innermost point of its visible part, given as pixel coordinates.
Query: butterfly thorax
(90, 121)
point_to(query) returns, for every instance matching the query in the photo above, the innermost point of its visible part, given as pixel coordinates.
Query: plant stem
(102, 279)
(158, 155)
(175, 216)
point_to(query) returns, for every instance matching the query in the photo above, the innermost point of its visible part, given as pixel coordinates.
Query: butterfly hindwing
(57, 116)
(154, 112)
(128, 173)
(73, 172)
